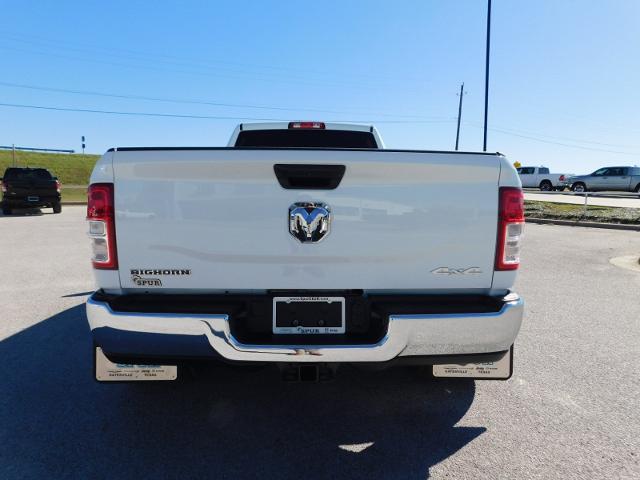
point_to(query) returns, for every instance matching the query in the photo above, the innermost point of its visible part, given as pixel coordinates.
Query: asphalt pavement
(570, 411)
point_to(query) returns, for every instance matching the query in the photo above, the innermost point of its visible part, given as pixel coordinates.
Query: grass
(70, 168)
(74, 194)
(567, 211)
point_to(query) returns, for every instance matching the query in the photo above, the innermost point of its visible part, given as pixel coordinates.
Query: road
(570, 411)
(612, 201)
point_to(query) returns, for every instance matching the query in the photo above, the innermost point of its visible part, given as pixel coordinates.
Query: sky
(564, 87)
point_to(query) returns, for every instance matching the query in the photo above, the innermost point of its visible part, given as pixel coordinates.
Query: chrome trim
(316, 299)
(309, 221)
(407, 335)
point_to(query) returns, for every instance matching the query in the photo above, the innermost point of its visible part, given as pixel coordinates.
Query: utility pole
(13, 149)
(459, 114)
(486, 76)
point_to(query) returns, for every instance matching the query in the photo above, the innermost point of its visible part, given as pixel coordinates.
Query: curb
(571, 223)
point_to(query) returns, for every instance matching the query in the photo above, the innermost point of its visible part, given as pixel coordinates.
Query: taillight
(4, 187)
(510, 228)
(561, 178)
(58, 185)
(102, 226)
(312, 125)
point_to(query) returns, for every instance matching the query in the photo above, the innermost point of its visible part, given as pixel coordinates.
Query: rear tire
(6, 211)
(57, 208)
(560, 189)
(578, 187)
(546, 186)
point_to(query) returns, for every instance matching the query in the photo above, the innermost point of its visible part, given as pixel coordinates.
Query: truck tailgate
(23, 189)
(217, 220)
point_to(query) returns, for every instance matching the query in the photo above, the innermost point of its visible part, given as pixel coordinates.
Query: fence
(30, 149)
(587, 195)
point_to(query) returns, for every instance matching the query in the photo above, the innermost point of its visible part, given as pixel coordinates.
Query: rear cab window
(302, 138)
(27, 174)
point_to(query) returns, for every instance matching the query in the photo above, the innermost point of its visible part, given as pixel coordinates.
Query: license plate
(308, 315)
(107, 371)
(33, 199)
(500, 370)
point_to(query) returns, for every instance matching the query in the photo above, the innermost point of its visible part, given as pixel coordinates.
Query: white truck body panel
(221, 255)
(221, 213)
(533, 177)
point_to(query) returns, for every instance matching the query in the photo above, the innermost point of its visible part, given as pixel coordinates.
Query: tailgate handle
(315, 177)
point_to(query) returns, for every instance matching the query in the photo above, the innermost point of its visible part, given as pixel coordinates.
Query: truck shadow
(26, 212)
(226, 423)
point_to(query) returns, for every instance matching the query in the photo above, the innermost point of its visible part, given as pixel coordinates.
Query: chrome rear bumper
(407, 335)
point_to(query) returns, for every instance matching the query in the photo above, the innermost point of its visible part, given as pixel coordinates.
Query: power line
(144, 114)
(210, 74)
(172, 59)
(569, 139)
(206, 117)
(194, 68)
(537, 139)
(199, 102)
(264, 119)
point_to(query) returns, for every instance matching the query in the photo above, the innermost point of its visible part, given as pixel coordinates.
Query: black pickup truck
(29, 187)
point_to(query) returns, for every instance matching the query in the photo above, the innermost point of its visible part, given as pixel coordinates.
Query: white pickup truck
(539, 177)
(306, 245)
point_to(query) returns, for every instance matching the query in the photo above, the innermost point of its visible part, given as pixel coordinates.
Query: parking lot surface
(570, 410)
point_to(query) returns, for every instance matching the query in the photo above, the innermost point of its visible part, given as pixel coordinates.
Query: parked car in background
(28, 188)
(539, 177)
(626, 179)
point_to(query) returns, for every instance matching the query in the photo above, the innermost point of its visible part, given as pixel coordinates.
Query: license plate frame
(305, 328)
(499, 370)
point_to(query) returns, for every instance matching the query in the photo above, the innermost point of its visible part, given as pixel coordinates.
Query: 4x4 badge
(457, 271)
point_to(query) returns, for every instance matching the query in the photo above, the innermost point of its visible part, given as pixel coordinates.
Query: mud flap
(107, 371)
(499, 370)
